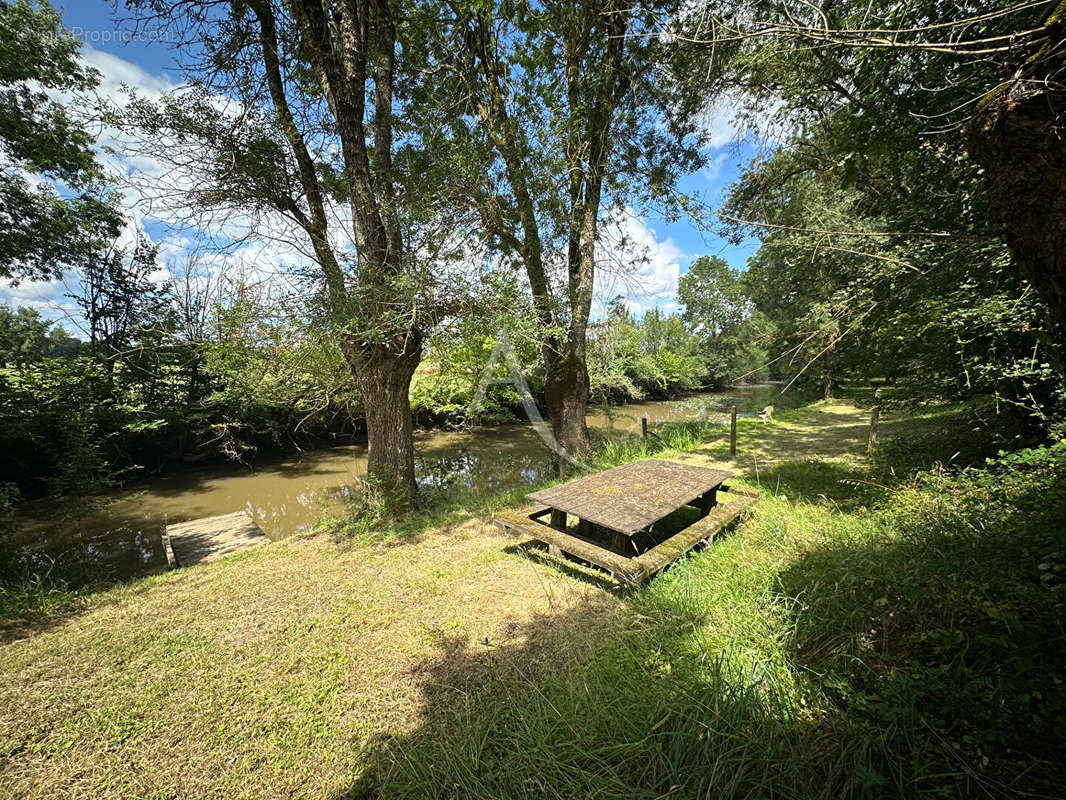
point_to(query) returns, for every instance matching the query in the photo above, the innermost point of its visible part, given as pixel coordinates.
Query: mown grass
(868, 631)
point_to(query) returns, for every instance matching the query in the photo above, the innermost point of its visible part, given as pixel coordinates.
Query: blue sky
(148, 64)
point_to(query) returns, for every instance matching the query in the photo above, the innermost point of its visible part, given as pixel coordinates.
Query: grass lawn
(861, 634)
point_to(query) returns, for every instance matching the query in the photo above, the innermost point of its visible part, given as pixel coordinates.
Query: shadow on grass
(584, 704)
(829, 483)
(571, 567)
(33, 602)
(926, 662)
(40, 617)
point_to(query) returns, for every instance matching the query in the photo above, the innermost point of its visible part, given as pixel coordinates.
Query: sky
(146, 63)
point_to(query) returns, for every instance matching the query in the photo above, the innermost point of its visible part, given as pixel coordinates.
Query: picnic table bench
(617, 512)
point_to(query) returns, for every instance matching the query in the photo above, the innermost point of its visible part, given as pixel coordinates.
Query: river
(117, 534)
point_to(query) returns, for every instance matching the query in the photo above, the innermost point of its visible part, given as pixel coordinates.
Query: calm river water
(118, 534)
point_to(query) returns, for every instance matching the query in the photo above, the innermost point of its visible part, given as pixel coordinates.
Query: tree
(873, 202)
(938, 318)
(714, 299)
(26, 337)
(567, 108)
(67, 216)
(323, 88)
(1019, 135)
(942, 65)
(119, 301)
(718, 310)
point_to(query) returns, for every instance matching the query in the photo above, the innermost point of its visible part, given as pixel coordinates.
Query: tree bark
(383, 376)
(566, 391)
(357, 40)
(1019, 136)
(567, 385)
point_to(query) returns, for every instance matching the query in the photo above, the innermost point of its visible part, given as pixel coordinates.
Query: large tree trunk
(337, 38)
(566, 391)
(1019, 136)
(384, 379)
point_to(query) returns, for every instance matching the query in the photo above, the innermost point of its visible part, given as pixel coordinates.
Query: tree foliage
(566, 110)
(66, 214)
(880, 255)
(26, 337)
(316, 153)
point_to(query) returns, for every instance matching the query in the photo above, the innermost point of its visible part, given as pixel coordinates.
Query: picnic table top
(633, 496)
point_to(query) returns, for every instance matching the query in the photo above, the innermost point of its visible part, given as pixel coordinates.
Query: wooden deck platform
(188, 543)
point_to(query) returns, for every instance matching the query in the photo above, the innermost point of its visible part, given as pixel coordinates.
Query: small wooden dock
(188, 543)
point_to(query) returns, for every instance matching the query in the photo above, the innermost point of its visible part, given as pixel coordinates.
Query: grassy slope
(816, 651)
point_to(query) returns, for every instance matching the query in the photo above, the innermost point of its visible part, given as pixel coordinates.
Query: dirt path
(826, 431)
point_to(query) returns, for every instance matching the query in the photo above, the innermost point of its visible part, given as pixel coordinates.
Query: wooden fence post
(875, 418)
(732, 431)
(644, 429)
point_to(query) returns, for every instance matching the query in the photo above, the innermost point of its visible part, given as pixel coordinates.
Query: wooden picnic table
(614, 506)
(629, 499)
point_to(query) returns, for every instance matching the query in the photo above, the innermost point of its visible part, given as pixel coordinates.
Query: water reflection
(118, 535)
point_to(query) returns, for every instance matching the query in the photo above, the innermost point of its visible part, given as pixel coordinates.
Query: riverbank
(117, 535)
(859, 631)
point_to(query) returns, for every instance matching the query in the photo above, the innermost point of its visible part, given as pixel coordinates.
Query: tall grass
(29, 590)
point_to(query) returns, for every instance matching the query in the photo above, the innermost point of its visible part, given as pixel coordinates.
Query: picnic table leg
(708, 501)
(603, 535)
(620, 543)
(558, 521)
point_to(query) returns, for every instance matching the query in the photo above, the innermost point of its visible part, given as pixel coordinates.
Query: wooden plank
(539, 511)
(201, 540)
(707, 502)
(168, 548)
(871, 441)
(667, 552)
(743, 491)
(619, 566)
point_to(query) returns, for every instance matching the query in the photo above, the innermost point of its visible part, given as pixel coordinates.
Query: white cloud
(733, 117)
(633, 263)
(31, 294)
(714, 167)
(721, 123)
(116, 72)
